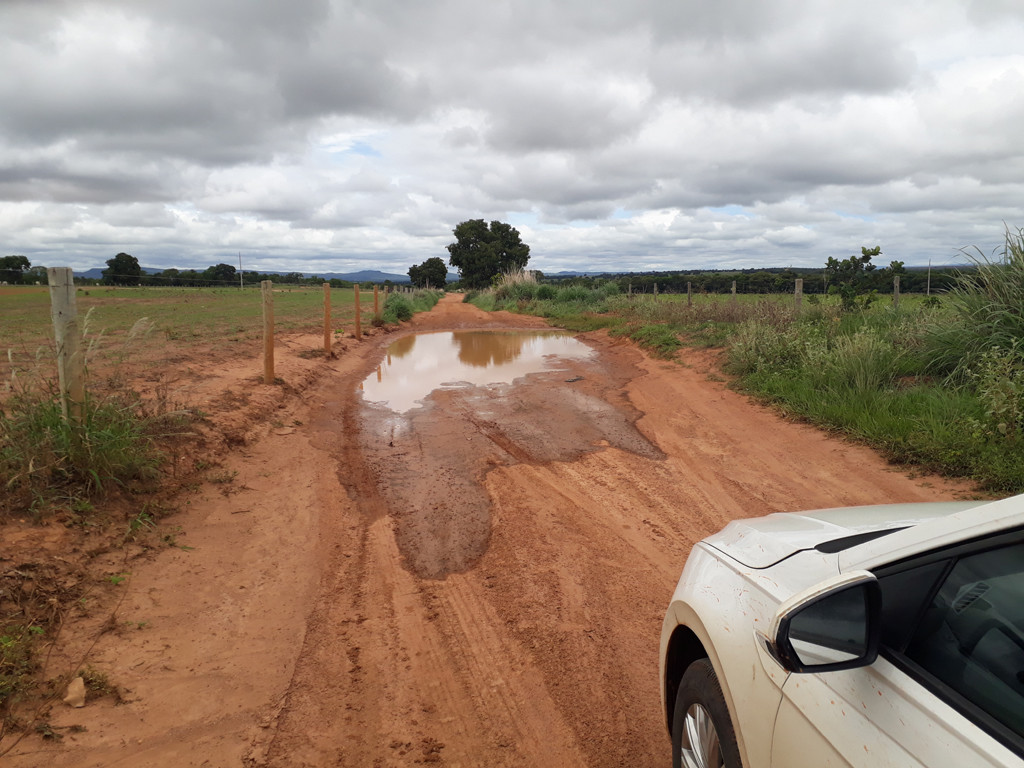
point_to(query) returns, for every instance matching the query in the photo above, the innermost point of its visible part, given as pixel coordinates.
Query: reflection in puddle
(416, 365)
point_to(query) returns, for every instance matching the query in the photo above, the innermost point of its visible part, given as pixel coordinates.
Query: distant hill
(363, 276)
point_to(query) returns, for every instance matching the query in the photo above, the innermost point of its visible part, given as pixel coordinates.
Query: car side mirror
(832, 627)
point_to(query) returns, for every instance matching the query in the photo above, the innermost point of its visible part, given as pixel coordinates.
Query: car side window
(971, 635)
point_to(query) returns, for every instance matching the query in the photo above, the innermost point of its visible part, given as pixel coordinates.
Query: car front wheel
(702, 733)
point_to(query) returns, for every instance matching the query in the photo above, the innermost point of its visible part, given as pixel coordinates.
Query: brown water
(418, 364)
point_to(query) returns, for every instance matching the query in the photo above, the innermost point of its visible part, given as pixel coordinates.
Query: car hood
(764, 541)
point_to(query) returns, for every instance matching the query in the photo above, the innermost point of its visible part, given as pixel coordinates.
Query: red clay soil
(480, 582)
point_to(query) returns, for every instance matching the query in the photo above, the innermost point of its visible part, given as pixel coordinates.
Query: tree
(432, 272)
(123, 269)
(221, 273)
(851, 277)
(481, 252)
(12, 268)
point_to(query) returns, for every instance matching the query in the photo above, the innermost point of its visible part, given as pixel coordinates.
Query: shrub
(998, 379)
(397, 309)
(573, 293)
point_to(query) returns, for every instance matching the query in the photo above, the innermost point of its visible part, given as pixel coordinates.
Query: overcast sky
(331, 135)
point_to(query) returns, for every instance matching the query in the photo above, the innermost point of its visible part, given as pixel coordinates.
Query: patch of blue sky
(521, 219)
(732, 210)
(363, 149)
(346, 145)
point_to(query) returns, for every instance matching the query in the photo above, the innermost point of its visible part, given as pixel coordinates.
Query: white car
(867, 636)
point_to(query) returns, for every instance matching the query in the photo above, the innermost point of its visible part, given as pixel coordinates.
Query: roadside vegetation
(400, 307)
(937, 381)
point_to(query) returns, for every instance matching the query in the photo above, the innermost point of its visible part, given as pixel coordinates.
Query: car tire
(702, 732)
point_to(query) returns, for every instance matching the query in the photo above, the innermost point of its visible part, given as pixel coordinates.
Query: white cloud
(328, 135)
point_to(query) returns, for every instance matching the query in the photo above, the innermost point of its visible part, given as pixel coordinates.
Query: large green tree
(480, 251)
(12, 268)
(433, 272)
(123, 269)
(221, 273)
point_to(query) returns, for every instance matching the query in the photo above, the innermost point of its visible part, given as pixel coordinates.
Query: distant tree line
(124, 269)
(767, 280)
(856, 271)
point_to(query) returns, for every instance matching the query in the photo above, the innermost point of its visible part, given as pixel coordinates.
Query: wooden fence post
(376, 304)
(896, 292)
(689, 294)
(733, 291)
(267, 290)
(359, 322)
(70, 357)
(798, 293)
(327, 319)
(655, 291)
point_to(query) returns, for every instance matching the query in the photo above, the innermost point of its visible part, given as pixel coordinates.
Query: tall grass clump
(45, 459)
(48, 461)
(987, 311)
(400, 307)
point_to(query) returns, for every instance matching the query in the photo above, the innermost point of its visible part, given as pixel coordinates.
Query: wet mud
(427, 465)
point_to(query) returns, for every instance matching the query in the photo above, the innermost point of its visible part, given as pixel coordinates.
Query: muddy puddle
(417, 365)
(444, 409)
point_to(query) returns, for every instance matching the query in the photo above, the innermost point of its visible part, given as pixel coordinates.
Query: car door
(948, 687)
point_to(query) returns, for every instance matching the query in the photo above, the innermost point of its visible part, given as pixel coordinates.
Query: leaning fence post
(359, 325)
(798, 293)
(267, 289)
(327, 319)
(70, 359)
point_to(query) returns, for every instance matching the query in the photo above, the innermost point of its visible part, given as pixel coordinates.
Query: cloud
(334, 134)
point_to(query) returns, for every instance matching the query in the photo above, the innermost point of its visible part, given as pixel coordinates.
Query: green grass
(48, 462)
(179, 316)
(400, 307)
(16, 661)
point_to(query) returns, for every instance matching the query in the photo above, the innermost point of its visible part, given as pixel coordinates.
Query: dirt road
(480, 582)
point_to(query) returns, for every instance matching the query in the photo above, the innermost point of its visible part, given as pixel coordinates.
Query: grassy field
(177, 313)
(176, 317)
